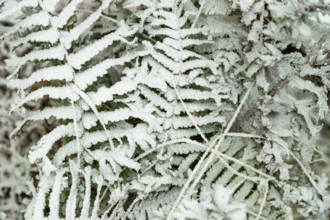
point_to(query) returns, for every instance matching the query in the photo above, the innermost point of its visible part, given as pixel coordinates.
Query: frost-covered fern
(171, 109)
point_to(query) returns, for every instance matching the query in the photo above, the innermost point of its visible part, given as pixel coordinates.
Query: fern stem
(76, 131)
(85, 97)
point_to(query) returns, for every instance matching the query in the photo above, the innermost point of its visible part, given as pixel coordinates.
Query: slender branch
(253, 179)
(85, 97)
(244, 165)
(255, 215)
(198, 14)
(188, 112)
(183, 190)
(214, 150)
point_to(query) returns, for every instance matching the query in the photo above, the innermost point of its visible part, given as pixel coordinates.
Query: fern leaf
(54, 200)
(62, 19)
(49, 35)
(77, 31)
(61, 72)
(85, 54)
(52, 53)
(62, 93)
(18, 7)
(46, 142)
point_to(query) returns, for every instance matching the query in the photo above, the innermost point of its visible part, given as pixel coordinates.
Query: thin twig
(255, 215)
(214, 150)
(188, 112)
(238, 185)
(85, 97)
(244, 165)
(253, 179)
(182, 192)
(198, 14)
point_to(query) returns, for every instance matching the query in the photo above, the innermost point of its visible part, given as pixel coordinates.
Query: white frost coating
(139, 134)
(70, 209)
(174, 33)
(18, 7)
(61, 20)
(50, 35)
(177, 67)
(85, 54)
(197, 107)
(61, 93)
(47, 141)
(86, 203)
(41, 18)
(63, 112)
(157, 100)
(105, 94)
(47, 166)
(63, 72)
(177, 55)
(182, 43)
(77, 31)
(118, 157)
(67, 149)
(184, 122)
(152, 81)
(320, 92)
(53, 53)
(170, 22)
(165, 32)
(54, 199)
(161, 58)
(201, 95)
(91, 104)
(99, 181)
(198, 63)
(89, 76)
(90, 120)
(39, 204)
(191, 31)
(49, 5)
